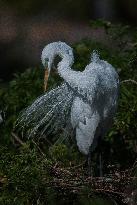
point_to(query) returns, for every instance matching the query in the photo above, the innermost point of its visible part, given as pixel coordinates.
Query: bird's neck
(66, 61)
(65, 65)
(66, 53)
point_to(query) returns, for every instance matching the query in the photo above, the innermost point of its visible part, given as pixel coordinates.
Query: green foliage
(25, 176)
(65, 155)
(59, 152)
(19, 93)
(25, 169)
(100, 23)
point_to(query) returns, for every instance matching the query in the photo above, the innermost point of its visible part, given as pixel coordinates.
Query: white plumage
(86, 100)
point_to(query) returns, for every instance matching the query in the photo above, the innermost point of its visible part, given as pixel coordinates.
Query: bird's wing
(85, 120)
(48, 113)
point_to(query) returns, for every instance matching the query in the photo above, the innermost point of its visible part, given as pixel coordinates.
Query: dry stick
(38, 148)
(109, 191)
(79, 186)
(129, 80)
(17, 139)
(77, 166)
(87, 180)
(23, 143)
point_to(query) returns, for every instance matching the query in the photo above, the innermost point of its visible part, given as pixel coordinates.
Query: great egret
(86, 101)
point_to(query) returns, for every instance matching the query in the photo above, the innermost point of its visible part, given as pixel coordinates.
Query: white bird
(86, 100)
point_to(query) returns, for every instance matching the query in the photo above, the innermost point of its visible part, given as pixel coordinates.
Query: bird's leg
(90, 170)
(92, 150)
(91, 153)
(100, 165)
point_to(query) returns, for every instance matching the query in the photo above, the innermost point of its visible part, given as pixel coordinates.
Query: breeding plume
(86, 101)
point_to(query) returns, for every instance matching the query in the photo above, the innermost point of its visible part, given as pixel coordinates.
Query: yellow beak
(46, 76)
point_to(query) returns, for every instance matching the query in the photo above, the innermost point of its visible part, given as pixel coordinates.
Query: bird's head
(52, 51)
(47, 59)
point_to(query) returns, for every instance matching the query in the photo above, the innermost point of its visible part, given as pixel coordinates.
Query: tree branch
(129, 81)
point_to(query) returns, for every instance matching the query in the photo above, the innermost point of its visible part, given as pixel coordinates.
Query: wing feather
(48, 113)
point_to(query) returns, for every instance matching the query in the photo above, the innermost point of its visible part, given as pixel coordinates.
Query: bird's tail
(48, 114)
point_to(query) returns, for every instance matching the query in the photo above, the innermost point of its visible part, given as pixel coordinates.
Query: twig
(109, 191)
(17, 139)
(77, 166)
(38, 147)
(129, 80)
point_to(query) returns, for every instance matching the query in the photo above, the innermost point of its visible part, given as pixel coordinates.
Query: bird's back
(93, 118)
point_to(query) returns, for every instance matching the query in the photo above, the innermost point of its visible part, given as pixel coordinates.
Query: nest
(73, 180)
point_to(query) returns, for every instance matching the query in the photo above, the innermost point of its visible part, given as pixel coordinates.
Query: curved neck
(65, 71)
(67, 57)
(67, 60)
(64, 66)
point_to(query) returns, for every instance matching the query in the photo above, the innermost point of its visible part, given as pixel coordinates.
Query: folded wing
(48, 113)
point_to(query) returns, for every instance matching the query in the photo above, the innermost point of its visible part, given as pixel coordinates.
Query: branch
(38, 148)
(17, 139)
(129, 80)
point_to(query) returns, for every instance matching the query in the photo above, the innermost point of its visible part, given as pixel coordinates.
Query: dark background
(27, 26)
